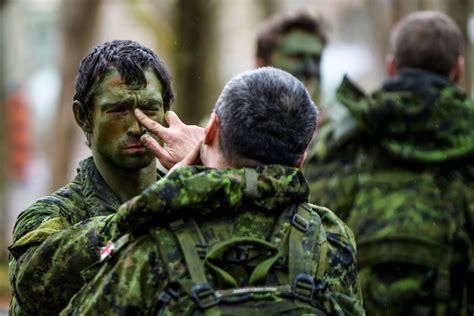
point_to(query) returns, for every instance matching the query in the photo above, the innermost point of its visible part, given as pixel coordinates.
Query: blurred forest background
(203, 42)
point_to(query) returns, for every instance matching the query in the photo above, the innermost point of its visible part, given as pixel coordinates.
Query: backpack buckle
(304, 287)
(204, 296)
(166, 296)
(202, 250)
(300, 222)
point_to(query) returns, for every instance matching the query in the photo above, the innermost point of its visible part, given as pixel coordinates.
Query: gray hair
(266, 116)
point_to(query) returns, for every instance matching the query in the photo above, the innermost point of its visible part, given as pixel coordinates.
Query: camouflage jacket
(57, 237)
(225, 204)
(397, 169)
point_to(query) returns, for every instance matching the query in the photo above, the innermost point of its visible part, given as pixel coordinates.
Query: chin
(136, 162)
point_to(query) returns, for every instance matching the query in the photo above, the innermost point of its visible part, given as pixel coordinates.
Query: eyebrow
(126, 102)
(151, 102)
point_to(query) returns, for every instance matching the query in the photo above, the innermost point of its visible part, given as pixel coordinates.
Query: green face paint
(299, 53)
(116, 131)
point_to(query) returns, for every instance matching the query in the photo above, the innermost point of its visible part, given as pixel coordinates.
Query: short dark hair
(427, 40)
(265, 116)
(280, 25)
(130, 59)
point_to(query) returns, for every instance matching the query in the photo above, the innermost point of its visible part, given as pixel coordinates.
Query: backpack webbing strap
(304, 242)
(251, 178)
(189, 235)
(323, 252)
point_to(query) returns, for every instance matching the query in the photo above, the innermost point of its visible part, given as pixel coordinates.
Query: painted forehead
(112, 79)
(113, 87)
(300, 41)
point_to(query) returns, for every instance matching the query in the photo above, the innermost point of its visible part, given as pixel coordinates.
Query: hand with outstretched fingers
(179, 139)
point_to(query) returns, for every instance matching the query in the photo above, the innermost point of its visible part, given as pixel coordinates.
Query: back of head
(131, 60)
(427, 40)
(265, 116)
(280, 25)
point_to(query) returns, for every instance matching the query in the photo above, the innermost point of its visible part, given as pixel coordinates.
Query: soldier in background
(253, 244)
(398, 176)
(294, 43)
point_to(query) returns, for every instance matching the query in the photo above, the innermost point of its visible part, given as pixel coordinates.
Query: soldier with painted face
(252, 243)
(59, 235)
(398, 176)
(294, 43)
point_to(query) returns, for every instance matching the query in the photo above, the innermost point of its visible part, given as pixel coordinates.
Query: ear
(300, 162)
(82, 119)
(260, 63)
(458, 70)
(211, 131)
(390, 65)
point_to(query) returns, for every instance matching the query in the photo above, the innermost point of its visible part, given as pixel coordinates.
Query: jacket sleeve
(48, 255)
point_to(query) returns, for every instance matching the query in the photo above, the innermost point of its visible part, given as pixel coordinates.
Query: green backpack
(408, 221)
(285, 273)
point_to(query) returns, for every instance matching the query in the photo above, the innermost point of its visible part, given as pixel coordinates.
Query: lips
(134, 147)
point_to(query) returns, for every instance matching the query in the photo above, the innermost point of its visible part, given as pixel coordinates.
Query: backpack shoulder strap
(306, 243)
(194, 249)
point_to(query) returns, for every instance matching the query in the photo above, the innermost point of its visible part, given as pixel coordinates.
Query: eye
(296, 56)
(117, 109)
(153, 109)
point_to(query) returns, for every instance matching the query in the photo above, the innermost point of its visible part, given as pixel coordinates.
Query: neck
(127, 183)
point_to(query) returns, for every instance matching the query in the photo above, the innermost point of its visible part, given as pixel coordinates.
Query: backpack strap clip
(204, 296)
(304, 287)
(202, 250)
(300, 222)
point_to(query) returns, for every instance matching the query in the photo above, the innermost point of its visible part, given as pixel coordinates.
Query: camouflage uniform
(57, 237)
(131, 280)
(396, 178)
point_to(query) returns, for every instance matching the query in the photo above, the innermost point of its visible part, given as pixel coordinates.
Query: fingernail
(138, 112)
(144, 138)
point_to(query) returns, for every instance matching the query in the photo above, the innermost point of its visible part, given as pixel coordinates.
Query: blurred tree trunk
(194, 61)
(3, 141)
(269, 8)
(381, 22)
(79, 21)
(155, 18)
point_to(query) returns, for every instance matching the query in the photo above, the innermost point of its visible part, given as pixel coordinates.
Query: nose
(134, 127)
(310, 69)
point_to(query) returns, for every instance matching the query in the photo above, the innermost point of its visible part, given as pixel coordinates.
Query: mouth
(134, 148)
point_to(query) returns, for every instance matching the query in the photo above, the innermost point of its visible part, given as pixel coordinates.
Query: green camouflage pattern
(226, 205)
(396, 179)
(57, 237)
(54, 239)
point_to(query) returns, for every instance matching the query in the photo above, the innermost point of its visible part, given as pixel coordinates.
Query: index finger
(152, 126)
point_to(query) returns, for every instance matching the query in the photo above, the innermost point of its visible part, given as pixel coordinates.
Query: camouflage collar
(99, 199)
(267, 187)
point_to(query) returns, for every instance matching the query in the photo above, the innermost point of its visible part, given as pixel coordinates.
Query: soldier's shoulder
(332, 224)
(58, 204)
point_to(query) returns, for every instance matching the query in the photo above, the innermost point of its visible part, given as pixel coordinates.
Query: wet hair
(130, 59)
(427, 40)
(280, 25)
(266, 116)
